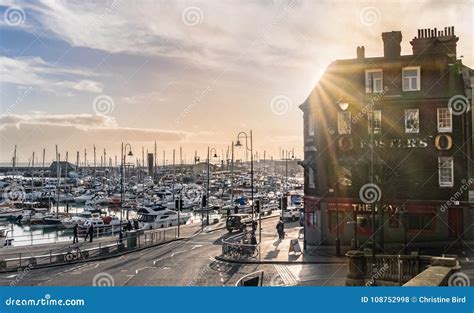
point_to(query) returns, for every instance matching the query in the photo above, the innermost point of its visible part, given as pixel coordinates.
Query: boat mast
(58, 169)
(14, 162)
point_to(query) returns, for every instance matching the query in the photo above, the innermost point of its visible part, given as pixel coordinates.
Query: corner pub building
(388, 146)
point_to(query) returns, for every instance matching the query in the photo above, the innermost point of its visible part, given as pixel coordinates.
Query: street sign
(295, 246)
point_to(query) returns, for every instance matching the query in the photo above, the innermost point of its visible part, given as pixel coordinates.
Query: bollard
(356, 268)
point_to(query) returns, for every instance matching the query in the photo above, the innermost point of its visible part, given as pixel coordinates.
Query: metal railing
(238, 247)
(72, 253)
(395, 268)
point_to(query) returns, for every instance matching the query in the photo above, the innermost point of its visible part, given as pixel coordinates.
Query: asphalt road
(181, 263)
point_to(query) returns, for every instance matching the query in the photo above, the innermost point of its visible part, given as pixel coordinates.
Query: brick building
(388, 145)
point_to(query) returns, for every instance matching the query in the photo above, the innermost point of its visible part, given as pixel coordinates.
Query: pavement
(277, 251)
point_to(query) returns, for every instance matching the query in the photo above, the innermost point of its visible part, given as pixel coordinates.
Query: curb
(219, 258)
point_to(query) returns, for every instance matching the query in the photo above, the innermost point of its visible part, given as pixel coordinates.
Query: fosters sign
(441, 142)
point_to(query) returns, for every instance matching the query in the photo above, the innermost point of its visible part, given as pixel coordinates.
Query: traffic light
(257, 206)
(204, 201)
(178, 204)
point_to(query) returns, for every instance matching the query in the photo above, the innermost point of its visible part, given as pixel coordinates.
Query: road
(181, 263)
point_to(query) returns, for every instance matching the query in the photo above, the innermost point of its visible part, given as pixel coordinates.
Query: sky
(188, 74)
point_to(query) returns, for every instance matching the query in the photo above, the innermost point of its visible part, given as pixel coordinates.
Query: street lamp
(209, 151)
(123, 156)
(343, 106)
(237, 145)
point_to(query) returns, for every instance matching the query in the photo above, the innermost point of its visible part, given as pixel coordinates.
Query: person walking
(76, 238)
(281, 229)
(91, 232)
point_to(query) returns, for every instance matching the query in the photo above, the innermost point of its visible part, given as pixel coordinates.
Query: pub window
(421, 221)
(344, 123)
(310, 126)
(412, 121)
(446, 171)
(377, 123)
(411, 78)
(445, 120)
(311, 183)
(373, 81)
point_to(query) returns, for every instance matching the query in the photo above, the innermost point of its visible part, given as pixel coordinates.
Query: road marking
(289, 279)
(196, 246)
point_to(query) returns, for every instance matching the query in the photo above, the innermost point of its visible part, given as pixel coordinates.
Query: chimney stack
(391, 44)
(434, 41)
(360, 53)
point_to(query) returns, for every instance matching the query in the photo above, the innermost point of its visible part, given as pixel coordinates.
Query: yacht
(79, 219)
(7, 213)
(102, 226)
(154, 217)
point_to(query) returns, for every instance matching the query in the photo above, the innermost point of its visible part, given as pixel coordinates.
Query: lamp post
(343, 106)
(239, 144)
(123, 156)
(209, 151)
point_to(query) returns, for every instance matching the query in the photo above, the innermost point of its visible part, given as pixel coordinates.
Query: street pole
(208, 182)
(338, 240)
(121, 190)
(232, 176)
(251, 174)
(179, 212)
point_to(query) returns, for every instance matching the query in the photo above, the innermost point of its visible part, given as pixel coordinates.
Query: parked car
(291, 214)
(238, 222)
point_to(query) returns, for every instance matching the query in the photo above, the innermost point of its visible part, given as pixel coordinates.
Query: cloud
(33, 71)
(97, 125)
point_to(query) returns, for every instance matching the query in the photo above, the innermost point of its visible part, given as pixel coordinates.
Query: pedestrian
(136, 225)
(76, 238)
(87, 232)
(90, 233)
(253, 240)
(281, 229)
(129, 226)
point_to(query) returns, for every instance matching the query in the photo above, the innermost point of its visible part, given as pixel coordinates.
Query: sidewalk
(276, 251)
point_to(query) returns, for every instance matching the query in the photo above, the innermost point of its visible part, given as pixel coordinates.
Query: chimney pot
(360, 52)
